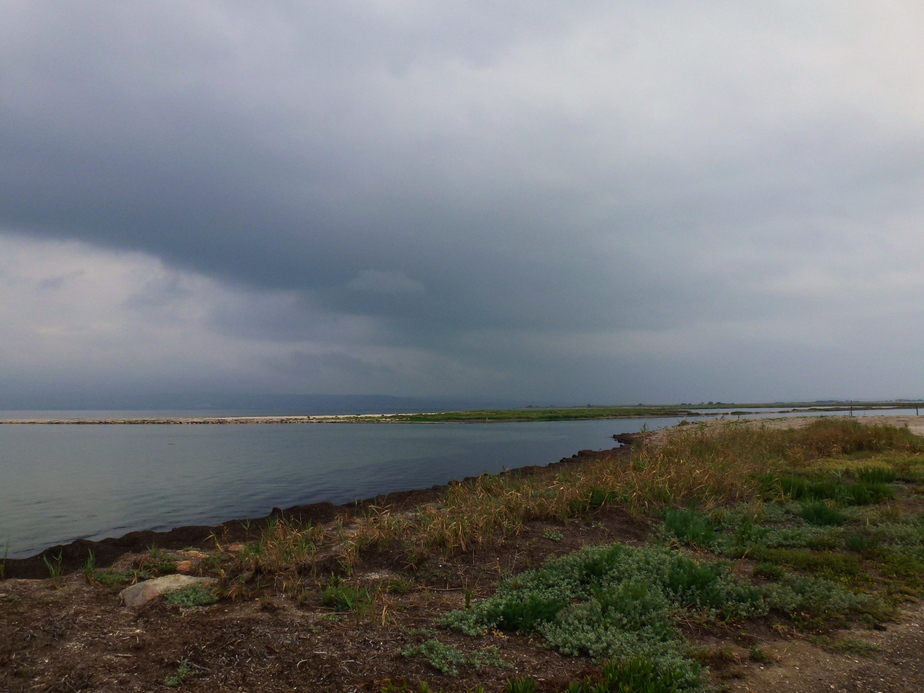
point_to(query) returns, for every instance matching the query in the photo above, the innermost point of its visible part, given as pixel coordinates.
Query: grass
(851, 646)
(281, 556)
(183, 672)
(819, 511)
(697, 467)
(160, 561)
(754, 528)
(547, 414)
(341, 596)
(89, 567)
(116, 580)
(622, 603)
(612, 412)
(690, 526)
(694, 477)
(55, 567)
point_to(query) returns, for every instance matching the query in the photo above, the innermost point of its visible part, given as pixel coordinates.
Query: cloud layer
(605, 202)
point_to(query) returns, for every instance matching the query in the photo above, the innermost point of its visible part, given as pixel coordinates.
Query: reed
(281, 554)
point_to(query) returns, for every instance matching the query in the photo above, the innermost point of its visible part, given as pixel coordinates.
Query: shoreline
(109, 549)
(73, 554)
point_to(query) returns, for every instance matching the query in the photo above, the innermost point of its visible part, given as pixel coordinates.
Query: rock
(143, 592)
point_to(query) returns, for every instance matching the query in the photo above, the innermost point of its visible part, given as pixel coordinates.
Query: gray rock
(143, 592)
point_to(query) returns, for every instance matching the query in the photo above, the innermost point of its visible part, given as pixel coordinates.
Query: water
(60, 483)
(63, 482)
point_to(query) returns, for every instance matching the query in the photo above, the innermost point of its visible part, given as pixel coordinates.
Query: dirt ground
(70, 635)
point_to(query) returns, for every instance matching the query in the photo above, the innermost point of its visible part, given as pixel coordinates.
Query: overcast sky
(605, 202)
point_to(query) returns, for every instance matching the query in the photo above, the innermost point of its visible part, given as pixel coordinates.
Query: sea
(59, 483)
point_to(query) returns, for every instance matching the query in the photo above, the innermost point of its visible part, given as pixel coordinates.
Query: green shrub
(115, 580)
(803, 537)
(851, 646)
(862, 543)
(447, 659)
(635, 675)
(768, 570)
(818, 597)
(194, 595)
(616, 602)
(523, 616)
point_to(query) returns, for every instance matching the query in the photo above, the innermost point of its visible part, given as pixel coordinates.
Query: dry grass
(702, 465)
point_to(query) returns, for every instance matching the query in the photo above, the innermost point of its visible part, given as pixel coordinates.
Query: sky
(586, 202)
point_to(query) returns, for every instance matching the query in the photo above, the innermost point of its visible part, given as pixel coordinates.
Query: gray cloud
(532, 198)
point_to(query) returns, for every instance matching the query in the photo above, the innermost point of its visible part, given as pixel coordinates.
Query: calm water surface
(63, 482)
(59, 483)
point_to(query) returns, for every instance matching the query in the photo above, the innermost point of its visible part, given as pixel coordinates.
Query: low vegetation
(814, 511)
(618, 412)
(806, 530)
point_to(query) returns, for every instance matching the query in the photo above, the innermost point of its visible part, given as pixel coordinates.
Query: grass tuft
(819, 513)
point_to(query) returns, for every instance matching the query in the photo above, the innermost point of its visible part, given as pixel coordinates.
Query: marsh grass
(814, 507)
(697, 468)
(282, 555)
(705, 466)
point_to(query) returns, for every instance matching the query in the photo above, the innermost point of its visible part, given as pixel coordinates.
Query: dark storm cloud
(506, 189)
